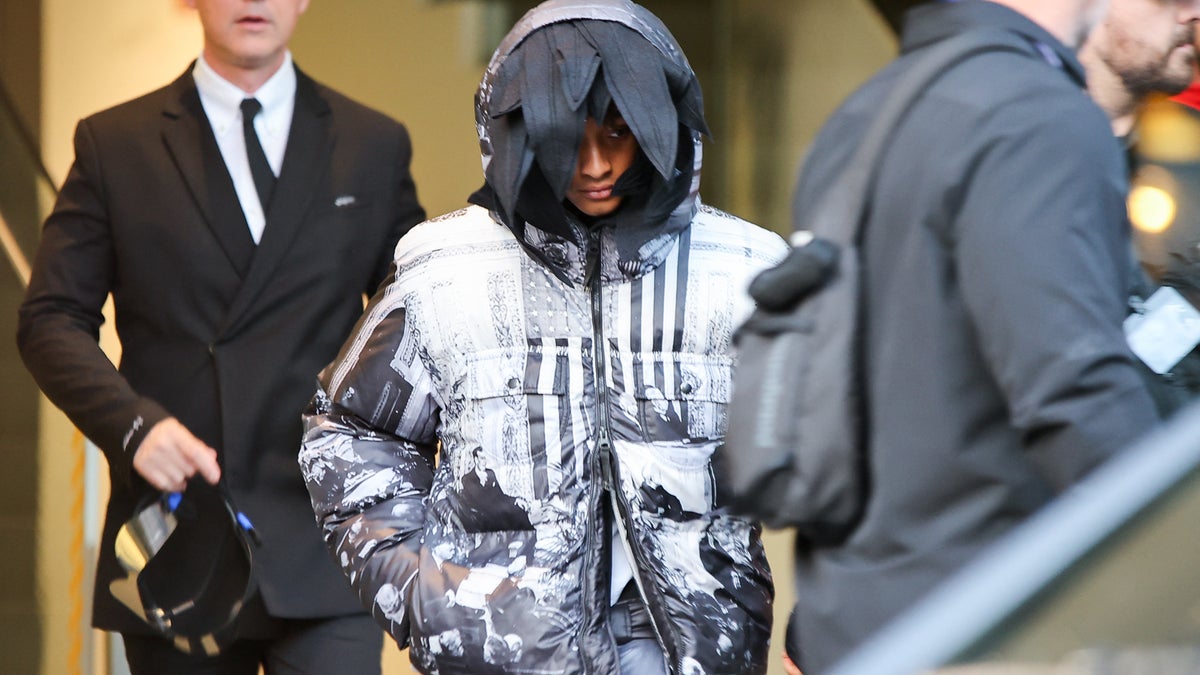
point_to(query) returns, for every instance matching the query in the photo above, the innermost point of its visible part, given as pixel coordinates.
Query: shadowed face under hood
(565, 61)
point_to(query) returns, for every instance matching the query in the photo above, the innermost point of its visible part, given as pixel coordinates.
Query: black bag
(795, 451)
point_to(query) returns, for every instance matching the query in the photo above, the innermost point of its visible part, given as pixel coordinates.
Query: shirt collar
(222, 99)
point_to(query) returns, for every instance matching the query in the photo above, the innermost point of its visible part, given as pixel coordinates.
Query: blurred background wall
(771, 72)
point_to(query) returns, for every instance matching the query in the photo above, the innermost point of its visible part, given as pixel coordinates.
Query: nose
(593, 161)
(1189, 12)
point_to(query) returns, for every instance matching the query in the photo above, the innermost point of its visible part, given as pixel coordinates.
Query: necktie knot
(260, 169)
(250, 108)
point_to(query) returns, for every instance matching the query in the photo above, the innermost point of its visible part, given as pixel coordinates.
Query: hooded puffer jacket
(512, 399)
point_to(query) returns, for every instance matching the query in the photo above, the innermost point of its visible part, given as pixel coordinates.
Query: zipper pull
(593, 257)
(606, 458)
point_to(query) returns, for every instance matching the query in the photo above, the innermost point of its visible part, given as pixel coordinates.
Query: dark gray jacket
(997, 266)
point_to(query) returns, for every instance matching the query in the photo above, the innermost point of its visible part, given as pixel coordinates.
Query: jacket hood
(565, 61)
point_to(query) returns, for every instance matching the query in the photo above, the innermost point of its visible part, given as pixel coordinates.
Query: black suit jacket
(222, 334)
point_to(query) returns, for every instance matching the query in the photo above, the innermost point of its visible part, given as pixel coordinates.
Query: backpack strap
(839, 216)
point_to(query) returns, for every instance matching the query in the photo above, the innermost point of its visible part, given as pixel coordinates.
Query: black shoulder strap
(840, 215)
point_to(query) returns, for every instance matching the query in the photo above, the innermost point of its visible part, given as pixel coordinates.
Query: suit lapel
(189, 138)
(310, 143)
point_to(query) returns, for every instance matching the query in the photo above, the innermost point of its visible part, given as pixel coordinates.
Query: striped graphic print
(559, 423)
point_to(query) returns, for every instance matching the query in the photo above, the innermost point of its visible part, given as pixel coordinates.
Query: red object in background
(1190, 96)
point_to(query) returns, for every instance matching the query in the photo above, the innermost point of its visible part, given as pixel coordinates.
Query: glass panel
(26, 191)
(25, 196)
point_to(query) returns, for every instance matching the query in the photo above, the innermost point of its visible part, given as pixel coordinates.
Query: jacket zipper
(604, 437)
(604, 441)
(599, 464)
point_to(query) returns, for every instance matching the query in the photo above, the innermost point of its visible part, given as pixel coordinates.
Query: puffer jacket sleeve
(368, 459)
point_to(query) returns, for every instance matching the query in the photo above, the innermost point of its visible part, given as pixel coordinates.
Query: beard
(1145, 70)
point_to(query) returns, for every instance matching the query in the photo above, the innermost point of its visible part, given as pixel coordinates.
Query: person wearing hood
(540, 324)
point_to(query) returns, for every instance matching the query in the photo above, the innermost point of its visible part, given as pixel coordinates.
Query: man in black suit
(237, 257)
(503, 511)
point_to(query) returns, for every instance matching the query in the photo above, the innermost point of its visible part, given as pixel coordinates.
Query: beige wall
(101, 52)
(420, 61)
(789, 65)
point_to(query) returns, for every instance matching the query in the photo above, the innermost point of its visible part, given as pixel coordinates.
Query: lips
(597, 193)
(1184, 39)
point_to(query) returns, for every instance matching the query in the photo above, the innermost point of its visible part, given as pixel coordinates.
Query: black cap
(189, 566)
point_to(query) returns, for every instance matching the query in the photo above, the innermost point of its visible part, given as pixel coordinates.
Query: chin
(1178, 77)
(596, 209)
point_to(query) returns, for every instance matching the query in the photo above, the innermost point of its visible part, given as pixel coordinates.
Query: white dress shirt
(222, 102)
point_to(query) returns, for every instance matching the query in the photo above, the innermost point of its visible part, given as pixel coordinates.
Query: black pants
(637, 645)
(350, 644)
(629, 619)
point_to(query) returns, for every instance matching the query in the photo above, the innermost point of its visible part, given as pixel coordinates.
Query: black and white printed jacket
(496, 417)
(582, 399)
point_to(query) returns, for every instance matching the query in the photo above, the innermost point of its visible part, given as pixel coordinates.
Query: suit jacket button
(212, 348)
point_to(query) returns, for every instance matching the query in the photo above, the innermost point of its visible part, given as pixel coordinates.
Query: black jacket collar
(936, 21)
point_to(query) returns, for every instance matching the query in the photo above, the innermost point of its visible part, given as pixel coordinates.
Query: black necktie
(264, 178)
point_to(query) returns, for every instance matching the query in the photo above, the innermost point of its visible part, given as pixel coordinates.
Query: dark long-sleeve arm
(60, 319)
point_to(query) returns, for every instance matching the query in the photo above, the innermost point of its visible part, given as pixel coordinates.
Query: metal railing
(1020, 601)
(18, 135)
(12, 251)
